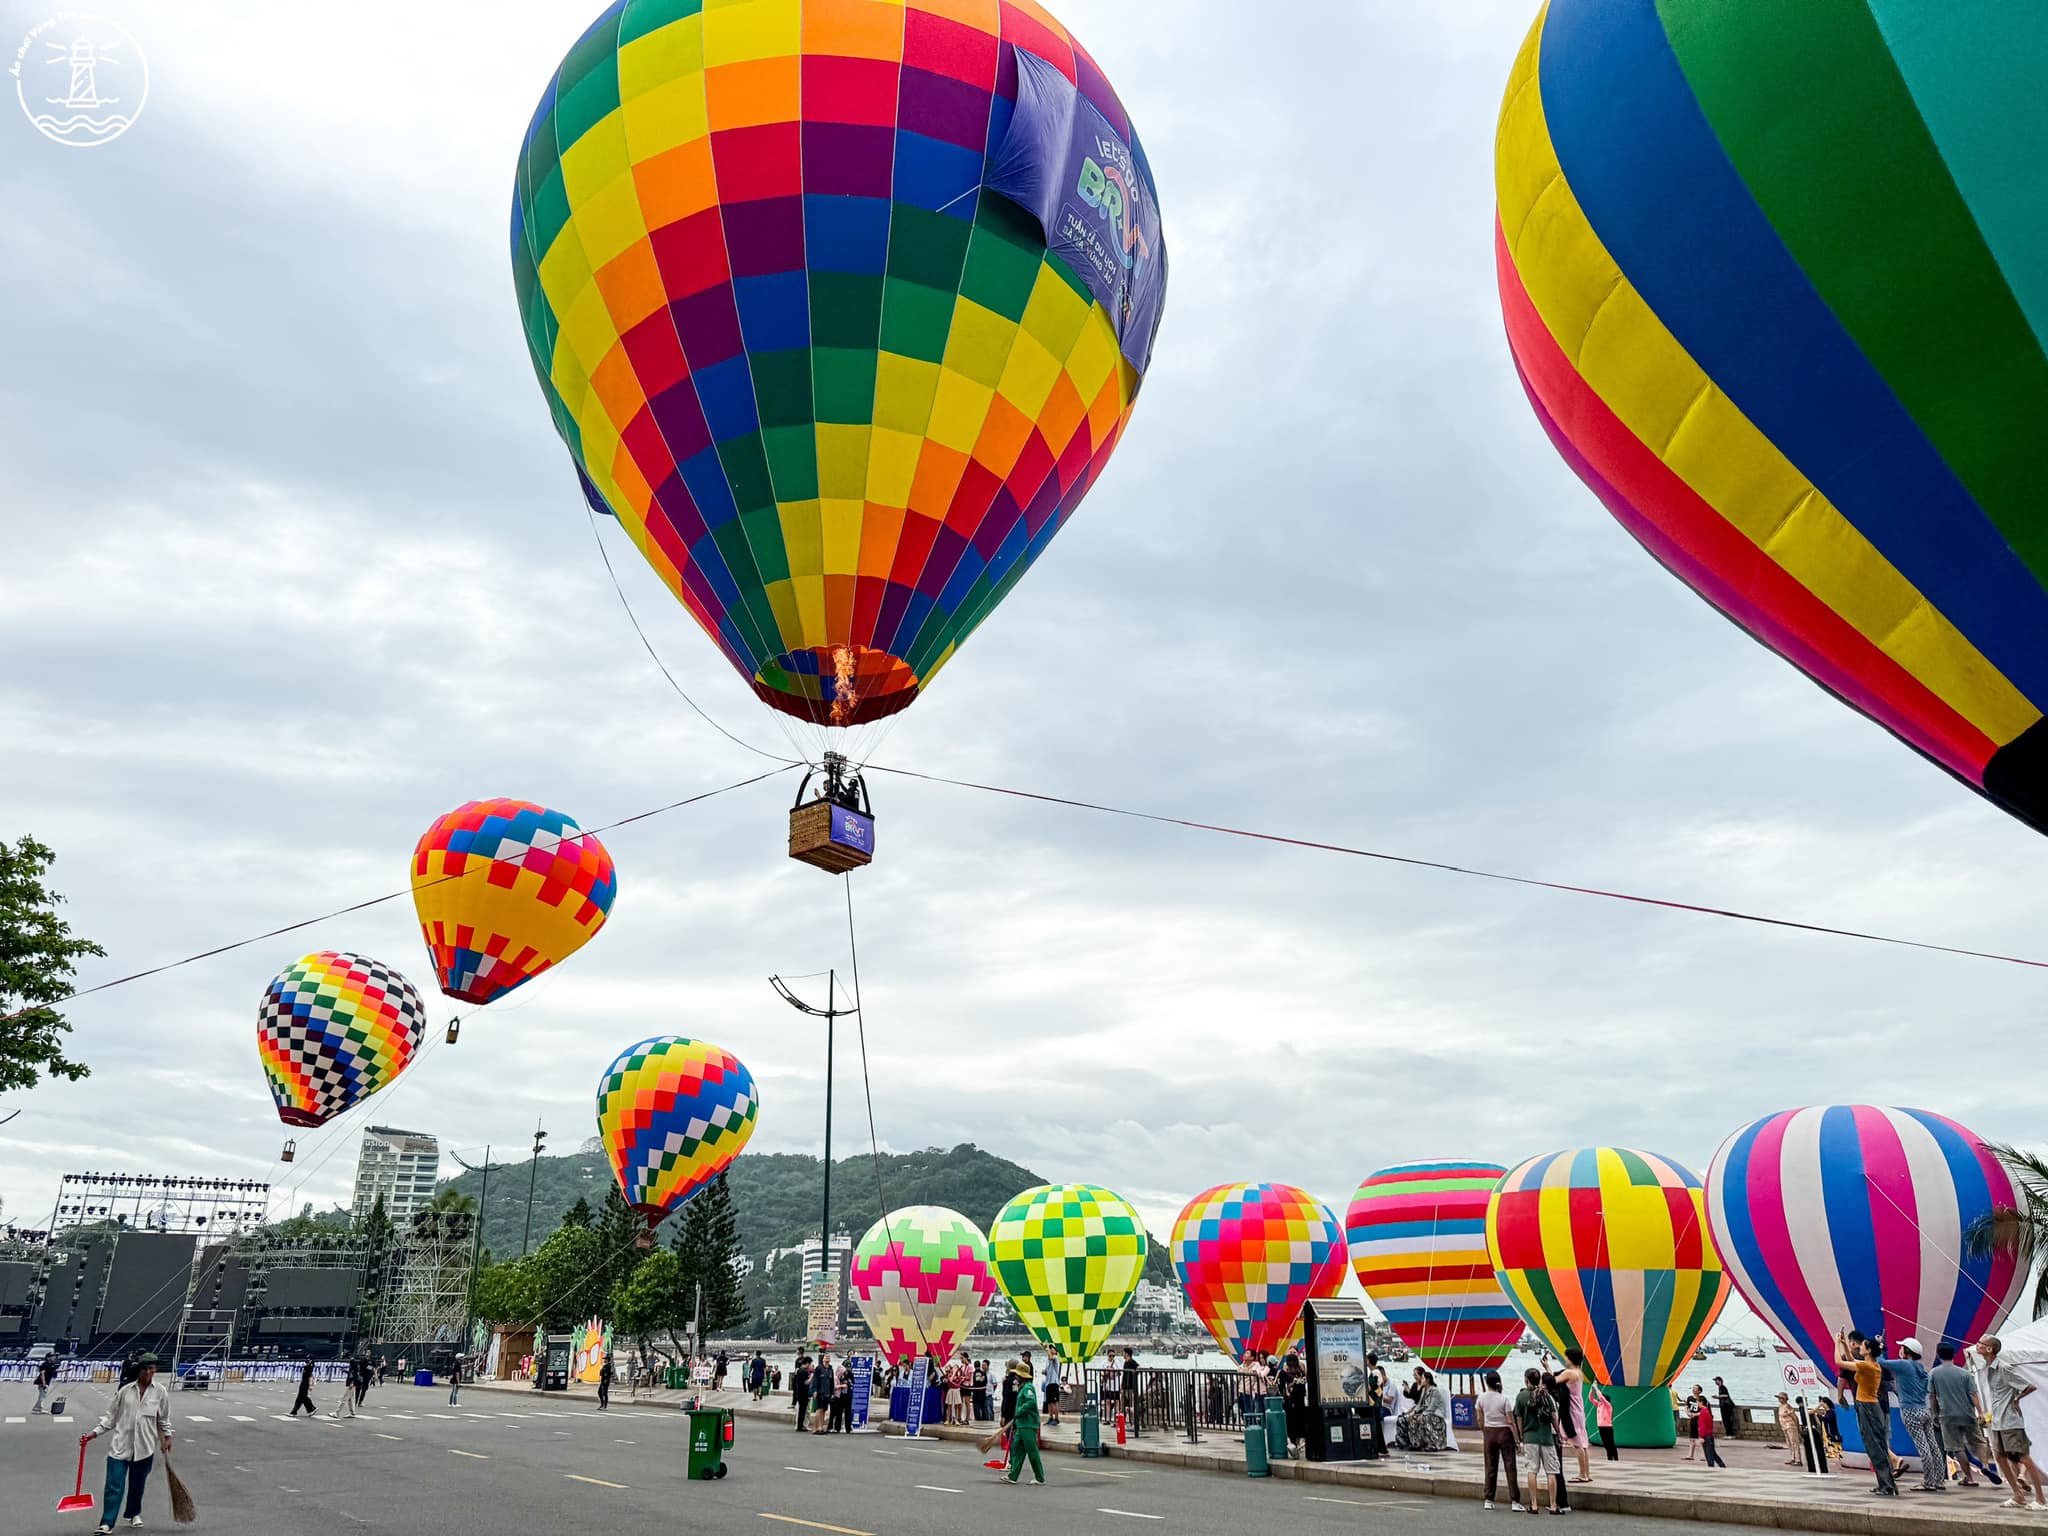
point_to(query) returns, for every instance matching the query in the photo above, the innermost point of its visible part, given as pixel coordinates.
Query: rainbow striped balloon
(673, 1114)
(922, 1278)
(841, 307)
(505, 889)
(1847, 1215)
(1607, 1249)
(1249, 1256)
(1417, 1235)
(1775, 277)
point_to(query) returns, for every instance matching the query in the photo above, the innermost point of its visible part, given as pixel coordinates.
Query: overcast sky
(293, 562)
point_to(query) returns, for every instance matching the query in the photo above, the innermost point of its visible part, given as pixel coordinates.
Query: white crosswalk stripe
(198, 1418)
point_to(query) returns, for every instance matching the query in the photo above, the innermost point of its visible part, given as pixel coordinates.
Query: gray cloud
(294, 562)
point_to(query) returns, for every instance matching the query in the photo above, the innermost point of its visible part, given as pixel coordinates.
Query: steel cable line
(1731, 913)
(374, 901)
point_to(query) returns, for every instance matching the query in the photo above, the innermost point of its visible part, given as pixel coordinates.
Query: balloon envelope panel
(786, 281)
(1249, 1255)
(1773, 281)
(921, 1279)
(505, 889)
(1607, 1248)
(1069, 1258)
(1852, 1216)
(1417, 1235)
(673, 1114)
(333, 1028)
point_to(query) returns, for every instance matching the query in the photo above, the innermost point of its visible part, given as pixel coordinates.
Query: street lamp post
(533, 1171)
(830, 1013)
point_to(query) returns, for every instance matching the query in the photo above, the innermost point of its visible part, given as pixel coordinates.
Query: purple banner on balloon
(1092, 193)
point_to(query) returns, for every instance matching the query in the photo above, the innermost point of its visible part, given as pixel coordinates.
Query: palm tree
(2022, 1230)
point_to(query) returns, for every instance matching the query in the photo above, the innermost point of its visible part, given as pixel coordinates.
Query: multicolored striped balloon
(505, 889)
(1852, 1216)
(673, 1114)
(1607, 1249)
(1069, 1258)
(841, 306)
(1249, 1255)
(1417, 1235)
(921, 1277)
(332, 1029)
(1776, 281)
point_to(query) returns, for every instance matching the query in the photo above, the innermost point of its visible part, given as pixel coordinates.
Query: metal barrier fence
(72, 1368)
(1167, 1400)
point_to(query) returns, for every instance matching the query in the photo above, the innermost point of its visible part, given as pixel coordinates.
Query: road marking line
(576, 1477)
(1129, 1514)
(382, 1436)
(190, 1418)
(812, 1470)
(935, 1488)
(1092, 1472)
(442, 1415)
(16, 1418)
(285, 1418)
(512, 1415)
(1364, 1503)
(885, 1453)
(282, 1489)
(625, 1442)
(241, 1418)
(468, 1415)
(472, 1455)
(816, 1525)
(408, 1417)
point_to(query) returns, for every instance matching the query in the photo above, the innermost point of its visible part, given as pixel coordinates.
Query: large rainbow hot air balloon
(1606, 1248)
(1851, 1216)
(1776, 281)
(673, 1114)
(1069, 1258)
(332, 1029)
(841, 308)
(1417, 1235)
(921, 1277)
(504, 889)
(1248, 1256)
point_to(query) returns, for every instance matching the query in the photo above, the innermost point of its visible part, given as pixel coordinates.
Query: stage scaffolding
(428, 1296)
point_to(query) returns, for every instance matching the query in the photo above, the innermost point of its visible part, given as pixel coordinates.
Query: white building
(399, 1165)
(842, 1249)
(777, 1255)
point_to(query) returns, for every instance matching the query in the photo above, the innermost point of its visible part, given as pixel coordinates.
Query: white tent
(2027, 1348)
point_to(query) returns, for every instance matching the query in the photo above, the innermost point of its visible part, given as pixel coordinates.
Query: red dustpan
(78, 1498)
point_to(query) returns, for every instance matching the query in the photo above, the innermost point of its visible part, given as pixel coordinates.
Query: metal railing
(1168, 1400)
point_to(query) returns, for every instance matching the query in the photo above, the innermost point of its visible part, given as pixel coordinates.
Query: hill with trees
(775, 1195)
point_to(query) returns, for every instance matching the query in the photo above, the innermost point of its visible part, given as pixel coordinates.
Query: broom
(183, 1510)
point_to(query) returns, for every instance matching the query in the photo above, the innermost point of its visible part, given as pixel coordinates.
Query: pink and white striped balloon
(1852, 1216)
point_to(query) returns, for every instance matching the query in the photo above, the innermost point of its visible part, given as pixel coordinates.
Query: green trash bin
(1091, 1428)
(710, 1434)
(1277, 1445)
(1255, 1463)
(677, 1378)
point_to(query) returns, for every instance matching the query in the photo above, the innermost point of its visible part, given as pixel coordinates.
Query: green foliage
(379, 1237)
(505, 1293)
(567, 1278)
(38, 955)
(2020, 1231)
(646, 1302)
(579, 1215)
(706, 1247)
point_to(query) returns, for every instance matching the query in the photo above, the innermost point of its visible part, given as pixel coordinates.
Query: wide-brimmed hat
(1019, 1368)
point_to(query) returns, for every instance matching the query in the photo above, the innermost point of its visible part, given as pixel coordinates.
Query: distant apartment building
(399, 1165)
(813, 1261)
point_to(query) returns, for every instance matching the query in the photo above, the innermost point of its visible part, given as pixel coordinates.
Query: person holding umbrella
(139, 1418)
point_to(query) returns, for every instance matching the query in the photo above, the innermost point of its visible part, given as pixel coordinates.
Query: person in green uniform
(1024, 1426)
